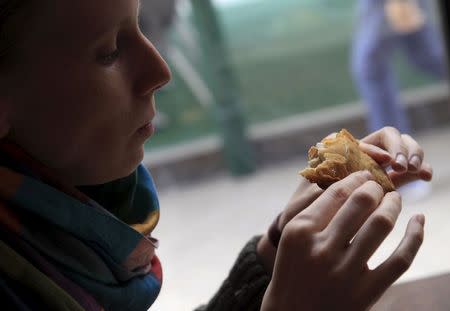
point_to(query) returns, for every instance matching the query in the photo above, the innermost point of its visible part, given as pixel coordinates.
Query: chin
(133, 161)
(110, 176)
(121, 168)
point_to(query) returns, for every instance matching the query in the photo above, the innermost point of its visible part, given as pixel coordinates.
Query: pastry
(335, 158)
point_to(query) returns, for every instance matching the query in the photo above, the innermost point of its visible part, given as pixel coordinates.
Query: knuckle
(413, 143)
(362, 177)
(407, 137)
(296, 230)
(402, 262)
(396, 197)
(365, 198)
(339, 192)
(383, 223)
(403, 149)
(306, 221)
(322, 253)
(378, 189)
(391, 130)
(339, 274)
(396, 201)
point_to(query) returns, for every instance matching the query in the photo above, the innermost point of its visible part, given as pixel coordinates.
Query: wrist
(267, 252)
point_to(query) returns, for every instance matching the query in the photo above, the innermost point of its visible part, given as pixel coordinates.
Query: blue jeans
(373, 47)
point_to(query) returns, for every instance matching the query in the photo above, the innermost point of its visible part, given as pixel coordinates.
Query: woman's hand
(321, 262)
(304, 195)
(388, 147)
(400, 151)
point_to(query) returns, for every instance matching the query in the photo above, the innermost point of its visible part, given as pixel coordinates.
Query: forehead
(83, 18)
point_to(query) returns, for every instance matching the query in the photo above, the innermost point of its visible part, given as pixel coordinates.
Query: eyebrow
(102, 32)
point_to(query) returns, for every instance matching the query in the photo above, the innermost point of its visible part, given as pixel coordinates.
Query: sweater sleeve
(246, 283)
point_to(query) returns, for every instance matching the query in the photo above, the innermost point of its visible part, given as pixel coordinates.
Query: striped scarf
(67, 248)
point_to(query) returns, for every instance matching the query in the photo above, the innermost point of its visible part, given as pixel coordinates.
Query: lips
(147, 121)
(146, 130)
(145, 125)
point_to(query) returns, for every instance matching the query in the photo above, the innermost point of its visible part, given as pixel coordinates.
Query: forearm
(246, 283)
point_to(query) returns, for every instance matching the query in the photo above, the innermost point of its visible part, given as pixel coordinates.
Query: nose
(153, 71)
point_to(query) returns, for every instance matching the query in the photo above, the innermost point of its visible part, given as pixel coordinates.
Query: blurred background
(255, 84)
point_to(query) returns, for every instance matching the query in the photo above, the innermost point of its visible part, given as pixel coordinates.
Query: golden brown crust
(335, 158)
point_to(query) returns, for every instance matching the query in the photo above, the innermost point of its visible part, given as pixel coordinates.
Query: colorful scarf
(67, 248)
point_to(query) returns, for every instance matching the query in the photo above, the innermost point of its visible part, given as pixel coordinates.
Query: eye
(110, 58)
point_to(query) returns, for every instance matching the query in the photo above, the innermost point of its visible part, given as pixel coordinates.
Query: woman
(77, 209)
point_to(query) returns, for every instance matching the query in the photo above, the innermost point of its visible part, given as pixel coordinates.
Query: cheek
(107, 109)
(80, 109)
(84, 99)
(77, 114)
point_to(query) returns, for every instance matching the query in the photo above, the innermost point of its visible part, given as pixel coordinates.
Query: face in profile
(81, 97)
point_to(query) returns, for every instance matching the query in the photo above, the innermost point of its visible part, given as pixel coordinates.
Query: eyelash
(110, 58)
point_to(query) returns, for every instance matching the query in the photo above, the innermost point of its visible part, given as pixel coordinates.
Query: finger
(389, 138)
(399, 179)
(415, 153)
(381, 156)
(389, 271)
(322, 210)
(305, 194)
(375, 230)
(353, 214)
(426, 172)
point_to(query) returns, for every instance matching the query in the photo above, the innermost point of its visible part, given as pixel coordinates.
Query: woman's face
(81, 98)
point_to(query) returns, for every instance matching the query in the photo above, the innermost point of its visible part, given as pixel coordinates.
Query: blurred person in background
(77, 207)
(383, 26)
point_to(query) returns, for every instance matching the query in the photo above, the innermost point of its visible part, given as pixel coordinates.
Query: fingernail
(421, 219)
(415, 162)
(401, 160)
